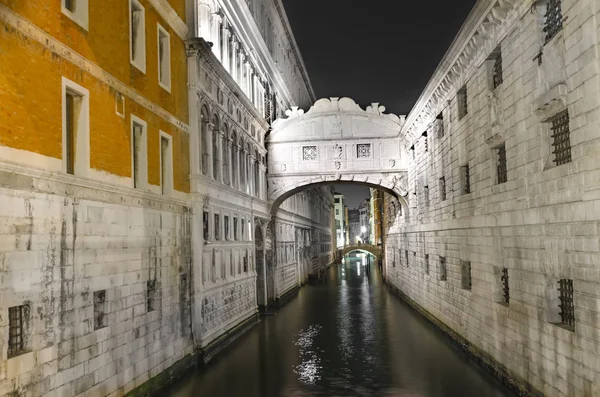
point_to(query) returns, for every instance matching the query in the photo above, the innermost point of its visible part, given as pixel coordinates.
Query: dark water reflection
(348, 337)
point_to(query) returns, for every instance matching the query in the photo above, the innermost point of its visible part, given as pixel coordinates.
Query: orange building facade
(95, 235)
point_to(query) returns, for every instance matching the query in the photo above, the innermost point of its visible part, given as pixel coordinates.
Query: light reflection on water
(348, 337)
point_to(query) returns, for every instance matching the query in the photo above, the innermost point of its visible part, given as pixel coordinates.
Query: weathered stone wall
(542, 224)
(56, 251)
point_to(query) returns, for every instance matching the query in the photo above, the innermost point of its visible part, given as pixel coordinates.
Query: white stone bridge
(336, 142)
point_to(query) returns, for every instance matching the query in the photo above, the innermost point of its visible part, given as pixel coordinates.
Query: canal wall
(497, 239)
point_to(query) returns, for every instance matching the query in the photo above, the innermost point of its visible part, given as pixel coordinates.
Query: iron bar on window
(501, 165)
(567, 309)
(505, 288)
(553, 20)
(561, 136)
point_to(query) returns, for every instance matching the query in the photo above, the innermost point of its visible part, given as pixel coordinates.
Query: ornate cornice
(488, 23)
(170, 16)
(33, 32)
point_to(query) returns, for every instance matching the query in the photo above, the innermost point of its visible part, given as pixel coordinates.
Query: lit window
(137, 38)
(164, 59)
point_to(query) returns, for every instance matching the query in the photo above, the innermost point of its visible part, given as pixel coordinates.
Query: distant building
(339, 215)
(376, 209)
(354, 226)
(364, 212)
(346, 229)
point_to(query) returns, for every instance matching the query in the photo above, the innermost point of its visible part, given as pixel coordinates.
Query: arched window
(216, 153)
(225, 154)
(234, 159)
(204, 141)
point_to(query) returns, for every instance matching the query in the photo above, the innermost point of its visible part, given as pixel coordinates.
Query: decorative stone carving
(495, 134)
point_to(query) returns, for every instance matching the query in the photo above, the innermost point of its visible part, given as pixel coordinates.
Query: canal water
(346, 337)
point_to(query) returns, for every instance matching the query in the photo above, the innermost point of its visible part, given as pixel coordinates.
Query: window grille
(309, 153)
(505, 288)
(501, 164)
(16, 328)
(463, 108)
(151, 295)
(412, 149)
(466, 275)
(443, 270)
(440, 120)
(363, 150)
(426, 263)
(561, 136)
(99, 309)
(567, 309)
(466, 176)
(426, 142)
(443, 188)
(497, 71)
(205, 225)
(553, 20)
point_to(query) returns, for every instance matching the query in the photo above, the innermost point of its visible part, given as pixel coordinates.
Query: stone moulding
(33, 32)
(489, 22)
(167, 13)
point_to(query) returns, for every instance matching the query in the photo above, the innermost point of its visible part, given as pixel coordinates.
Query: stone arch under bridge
(374, 250)
(336, 141)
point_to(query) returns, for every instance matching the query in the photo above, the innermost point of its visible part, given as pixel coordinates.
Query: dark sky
(374, 51)
(353, 194)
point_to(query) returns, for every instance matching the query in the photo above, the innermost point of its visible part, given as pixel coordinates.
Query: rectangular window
(466, 280)
(406, 257)
(205, 229)
(561, 138)
(553, 19)
(75, 128)
(443, 269)
(226, 225)
(139, 152)
(77, 11)
(426, 195)
(440, 124)
(245, 262)
(425, 142)
(217, 228)
(567, 308)
(100, 309)
(166, 164)
(137, 35)
(501, 163)
(243, 229)
(17, 319)
(337, 200)
(249, 230)
(309, 153)
(443, 188)
(465, 179)
(151, 295)
(235, 228)
(164, 58)
(461, 97)
(337, 211)
(363, 150)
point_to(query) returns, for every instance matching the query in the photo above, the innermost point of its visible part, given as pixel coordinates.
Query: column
(204, 20)
(227, 49)
(261, 189)
(215, 38)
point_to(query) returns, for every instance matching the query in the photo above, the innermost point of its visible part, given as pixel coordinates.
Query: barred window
(463, 108)
(16, 329)
(235, 228)
(561, 138)
(440, 121)
(497, 77)
(406, 257)
(426, 263)
(567, 308)
(443, 269)
(426, 143)
(553, 19)
(363, 150)
(443, 188)
(309, 153)
(501, 163)
(100, 309)
(217, 227)
(505, 287)
(466, 179)
(466, 280)
(426, 195)
(205, 225)
(151, 294)
(226, 226)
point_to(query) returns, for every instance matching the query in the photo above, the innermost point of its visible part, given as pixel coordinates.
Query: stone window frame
(120, 104)
(152, 295)
(166, 174)
(142, 183)
(305, 153)
(465, 179)
(554, 300)
(548, 140)
(500, 163)
(443, 263)
(426, 195)
(164, 62)
(81, 127)
(100, 306)
(19, 330)
(443, 188)
(466, 272)
(495, 69)
(226, 227)
(77, 11)
(360, 154)
(137, 36)
(462, 102)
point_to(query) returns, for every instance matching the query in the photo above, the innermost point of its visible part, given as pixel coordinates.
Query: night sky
(374, 51)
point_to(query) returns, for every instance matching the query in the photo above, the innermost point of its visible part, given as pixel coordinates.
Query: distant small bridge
(371, 249)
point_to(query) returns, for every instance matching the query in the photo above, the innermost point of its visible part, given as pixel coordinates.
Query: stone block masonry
(81, 265)
(511, 233)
